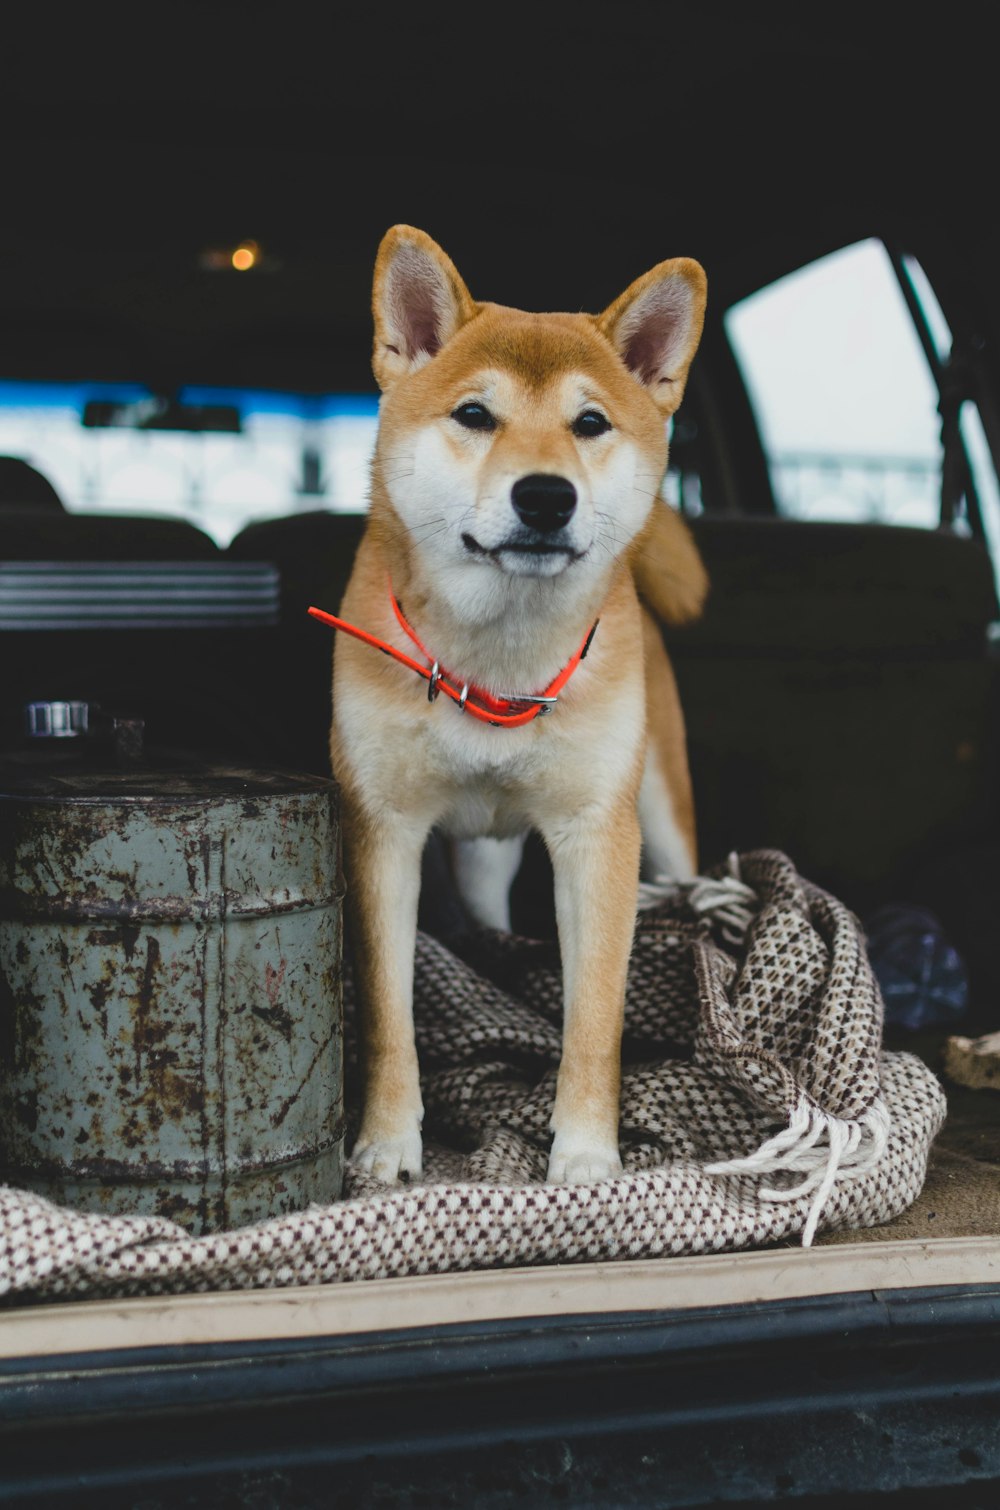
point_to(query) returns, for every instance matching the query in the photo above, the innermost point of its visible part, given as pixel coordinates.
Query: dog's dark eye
(474, 417)
(590, 422)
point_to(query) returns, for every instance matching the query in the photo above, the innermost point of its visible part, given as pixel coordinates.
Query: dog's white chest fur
(472, 780)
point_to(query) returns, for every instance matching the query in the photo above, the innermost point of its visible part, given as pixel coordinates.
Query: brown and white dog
(515, 504)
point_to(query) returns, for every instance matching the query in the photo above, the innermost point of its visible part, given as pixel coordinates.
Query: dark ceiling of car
(555, 150)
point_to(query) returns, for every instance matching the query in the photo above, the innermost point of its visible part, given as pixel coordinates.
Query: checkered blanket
(757, 1106)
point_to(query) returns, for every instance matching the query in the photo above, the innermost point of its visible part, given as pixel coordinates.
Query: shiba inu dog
(517, 558)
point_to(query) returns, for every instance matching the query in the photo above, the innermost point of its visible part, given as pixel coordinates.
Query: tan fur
(444, 531)
(669, 574)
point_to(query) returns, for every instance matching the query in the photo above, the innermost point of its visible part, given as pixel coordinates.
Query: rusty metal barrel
(170, 988)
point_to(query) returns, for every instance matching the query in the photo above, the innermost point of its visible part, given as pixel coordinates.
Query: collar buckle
(543, 703)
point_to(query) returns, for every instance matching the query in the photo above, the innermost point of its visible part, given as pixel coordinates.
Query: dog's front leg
(383, 866)
(596, 866)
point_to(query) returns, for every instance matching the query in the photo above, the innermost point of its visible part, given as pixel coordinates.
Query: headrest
(21, 483)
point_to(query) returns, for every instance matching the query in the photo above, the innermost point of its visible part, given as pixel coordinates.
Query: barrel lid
(166, 776)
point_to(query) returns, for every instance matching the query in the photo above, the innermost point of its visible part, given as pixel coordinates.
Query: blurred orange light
(244, 257)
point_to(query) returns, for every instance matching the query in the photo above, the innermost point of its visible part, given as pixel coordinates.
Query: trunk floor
(961, 1196)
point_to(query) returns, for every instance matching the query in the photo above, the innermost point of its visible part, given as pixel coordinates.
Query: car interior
(187, 410)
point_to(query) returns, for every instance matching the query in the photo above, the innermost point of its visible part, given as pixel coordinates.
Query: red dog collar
(501, 712)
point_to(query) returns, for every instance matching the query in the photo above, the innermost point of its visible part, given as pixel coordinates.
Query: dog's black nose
(543, 501)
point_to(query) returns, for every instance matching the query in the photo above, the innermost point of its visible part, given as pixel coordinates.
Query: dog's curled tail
(667, 568)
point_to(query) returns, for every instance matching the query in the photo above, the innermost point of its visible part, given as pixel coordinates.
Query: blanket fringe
(821, 1147)
(815, 1144)
(727, 900)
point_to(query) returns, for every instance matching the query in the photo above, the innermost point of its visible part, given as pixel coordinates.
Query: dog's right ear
(419, 302)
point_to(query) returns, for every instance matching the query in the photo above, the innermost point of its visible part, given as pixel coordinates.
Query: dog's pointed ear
(418, 300)
(655, 327)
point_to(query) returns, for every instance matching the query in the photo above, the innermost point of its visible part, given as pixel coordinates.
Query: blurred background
(192, 203)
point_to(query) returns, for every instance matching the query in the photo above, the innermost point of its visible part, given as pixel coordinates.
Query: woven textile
(756, 1106)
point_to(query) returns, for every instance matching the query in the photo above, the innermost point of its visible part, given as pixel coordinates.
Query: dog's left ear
(655, 327)
(419, 302)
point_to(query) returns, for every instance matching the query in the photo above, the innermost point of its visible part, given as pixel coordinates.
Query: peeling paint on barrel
(170, 994)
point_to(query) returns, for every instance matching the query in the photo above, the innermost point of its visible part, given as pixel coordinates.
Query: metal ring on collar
(432, 686)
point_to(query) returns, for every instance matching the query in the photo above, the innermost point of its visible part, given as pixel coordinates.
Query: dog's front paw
(391, 1159)
(582, 1161)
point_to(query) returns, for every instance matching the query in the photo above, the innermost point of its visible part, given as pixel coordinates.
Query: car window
(977, 492)
(285, 453)
(844, 397)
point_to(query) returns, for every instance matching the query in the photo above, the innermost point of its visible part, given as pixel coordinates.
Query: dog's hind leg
(666, 802)
(484, 873)
(666, 849)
